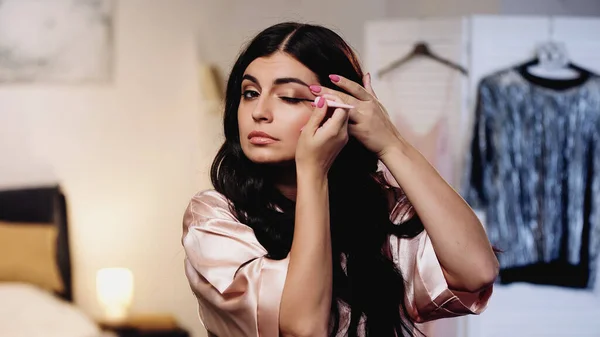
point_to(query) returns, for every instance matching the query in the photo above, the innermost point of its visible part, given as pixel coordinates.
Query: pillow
(28, 254)
(28, 311)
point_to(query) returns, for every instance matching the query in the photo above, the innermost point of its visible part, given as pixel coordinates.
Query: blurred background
(110, 117)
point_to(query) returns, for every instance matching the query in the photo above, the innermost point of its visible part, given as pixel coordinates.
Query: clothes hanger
(552, 63)
(421, 48)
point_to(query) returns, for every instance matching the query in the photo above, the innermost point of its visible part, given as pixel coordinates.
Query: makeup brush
(330, 103)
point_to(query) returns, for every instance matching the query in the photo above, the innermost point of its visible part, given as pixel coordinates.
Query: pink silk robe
(239, 289)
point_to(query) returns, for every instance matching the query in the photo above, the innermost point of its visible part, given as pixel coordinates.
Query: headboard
(42, 205)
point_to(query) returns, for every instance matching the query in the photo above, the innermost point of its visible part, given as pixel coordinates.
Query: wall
(433, 8)
(224, 26)
(129, 155)
(551, 7)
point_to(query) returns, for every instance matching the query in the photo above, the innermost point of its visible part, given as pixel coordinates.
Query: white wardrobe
(422, 92)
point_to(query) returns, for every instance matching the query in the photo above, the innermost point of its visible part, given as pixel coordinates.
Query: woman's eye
(249, 94)
(292, 100)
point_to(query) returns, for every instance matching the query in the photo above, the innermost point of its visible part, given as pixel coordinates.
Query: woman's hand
(322, 140)
(306, 298)
(369, 121)
(458, 238)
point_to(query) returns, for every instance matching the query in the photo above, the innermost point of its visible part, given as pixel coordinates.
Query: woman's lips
(261, 138)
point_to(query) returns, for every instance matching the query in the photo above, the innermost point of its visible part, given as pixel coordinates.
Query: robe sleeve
(237, 287)
(428, 296)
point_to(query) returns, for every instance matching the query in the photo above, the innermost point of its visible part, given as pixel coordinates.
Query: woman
(302, 236)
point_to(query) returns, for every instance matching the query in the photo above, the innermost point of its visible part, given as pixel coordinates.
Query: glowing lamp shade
(114, 288)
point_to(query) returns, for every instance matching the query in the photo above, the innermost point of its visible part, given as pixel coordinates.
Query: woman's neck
(285, 181)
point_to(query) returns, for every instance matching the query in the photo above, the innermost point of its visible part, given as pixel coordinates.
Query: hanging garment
(421, 101)
(434, 145)
(534, 171)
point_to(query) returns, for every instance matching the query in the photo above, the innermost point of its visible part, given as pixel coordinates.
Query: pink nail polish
(316, 102)
(315, 88)
(320, 102)
(334, 78)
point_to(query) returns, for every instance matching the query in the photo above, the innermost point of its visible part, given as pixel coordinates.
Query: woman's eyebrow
(278, 81)
(286, 80)
(251, 79)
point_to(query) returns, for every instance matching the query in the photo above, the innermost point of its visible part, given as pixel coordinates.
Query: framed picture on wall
(56, 41)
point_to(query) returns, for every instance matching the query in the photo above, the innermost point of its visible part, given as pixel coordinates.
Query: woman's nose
(263, 110)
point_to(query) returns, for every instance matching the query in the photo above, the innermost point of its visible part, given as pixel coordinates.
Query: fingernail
(320, 102)
(334, 78)
(315, 88)
(369, 77)
(313, 104)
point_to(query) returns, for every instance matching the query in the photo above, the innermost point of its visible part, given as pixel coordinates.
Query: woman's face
(269, 115)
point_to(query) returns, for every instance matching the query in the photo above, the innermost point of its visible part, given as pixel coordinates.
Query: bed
(36, 293)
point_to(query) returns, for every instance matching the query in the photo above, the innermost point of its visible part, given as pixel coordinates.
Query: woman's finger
(355, 89)
(345, 98)
(338, 120)
(317, 117)
(367, 84)
(353, 113)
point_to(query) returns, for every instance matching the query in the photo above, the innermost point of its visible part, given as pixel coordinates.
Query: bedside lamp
(114, 289)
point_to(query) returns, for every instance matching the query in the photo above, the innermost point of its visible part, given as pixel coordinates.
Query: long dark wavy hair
(360, 222)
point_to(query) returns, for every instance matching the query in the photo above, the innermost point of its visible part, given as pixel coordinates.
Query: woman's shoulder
(207, 206)
(210, 197)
